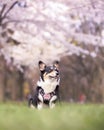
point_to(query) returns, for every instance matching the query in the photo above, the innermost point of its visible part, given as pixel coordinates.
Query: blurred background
(71, 31)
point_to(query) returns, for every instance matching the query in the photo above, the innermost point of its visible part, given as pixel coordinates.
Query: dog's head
(49, 72)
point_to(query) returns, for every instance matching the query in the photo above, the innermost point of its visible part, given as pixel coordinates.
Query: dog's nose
(57, 73)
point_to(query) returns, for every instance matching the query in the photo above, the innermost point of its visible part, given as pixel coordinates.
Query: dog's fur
(47, 90)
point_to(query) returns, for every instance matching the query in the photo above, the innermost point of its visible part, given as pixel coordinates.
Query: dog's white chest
(48, 86)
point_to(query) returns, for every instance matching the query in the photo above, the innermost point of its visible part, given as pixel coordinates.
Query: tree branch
(11, 7)
(2, 10)
(1, 13)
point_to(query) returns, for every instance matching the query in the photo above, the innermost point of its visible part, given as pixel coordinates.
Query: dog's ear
(42, 65)
(56, 64)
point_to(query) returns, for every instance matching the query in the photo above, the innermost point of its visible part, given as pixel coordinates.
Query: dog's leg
(39, 105)
(51, 103)
(32, 106)
(40, 97)
(30, 102)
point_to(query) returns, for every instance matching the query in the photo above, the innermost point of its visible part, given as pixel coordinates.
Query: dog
(47, 90)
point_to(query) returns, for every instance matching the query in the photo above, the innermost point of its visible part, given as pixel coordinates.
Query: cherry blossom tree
(48, 30)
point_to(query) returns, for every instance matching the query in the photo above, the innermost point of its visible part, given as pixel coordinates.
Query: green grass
(65, 117)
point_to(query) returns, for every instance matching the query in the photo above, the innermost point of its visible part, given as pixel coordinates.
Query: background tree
(32, 30)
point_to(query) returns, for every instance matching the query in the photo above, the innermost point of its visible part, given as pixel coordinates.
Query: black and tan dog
(47, 90)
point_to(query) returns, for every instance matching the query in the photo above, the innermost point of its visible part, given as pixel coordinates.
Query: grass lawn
(64, 117)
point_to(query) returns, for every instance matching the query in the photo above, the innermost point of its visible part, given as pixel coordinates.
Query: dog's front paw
(32, 106)
(52, 105)
(40, 106)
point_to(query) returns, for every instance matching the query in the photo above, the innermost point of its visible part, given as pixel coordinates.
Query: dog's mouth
(54, 77)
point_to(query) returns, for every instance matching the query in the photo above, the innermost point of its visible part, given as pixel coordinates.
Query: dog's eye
(48, 70)
(55, 69)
